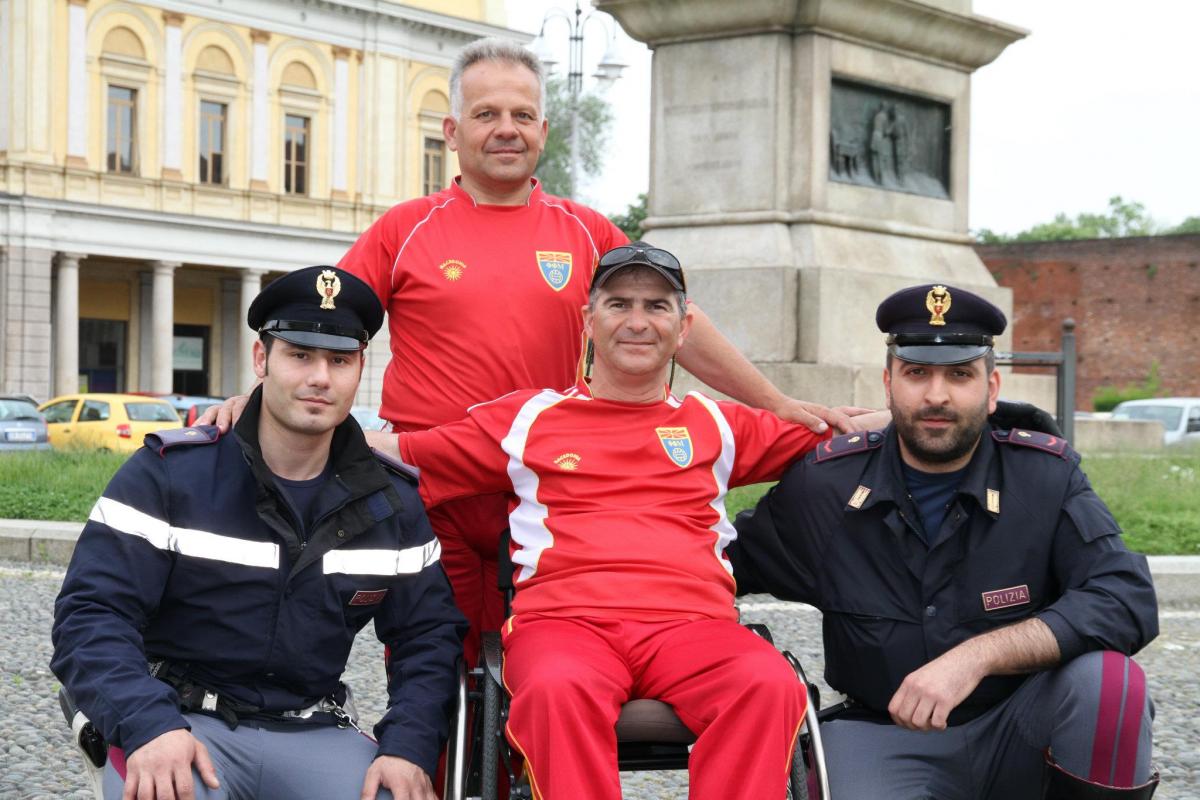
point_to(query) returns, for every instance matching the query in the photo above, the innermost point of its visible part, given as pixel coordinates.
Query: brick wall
(1133, 300)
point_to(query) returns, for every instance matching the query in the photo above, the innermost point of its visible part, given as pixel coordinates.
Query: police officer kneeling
(241, 568)
(979, 606)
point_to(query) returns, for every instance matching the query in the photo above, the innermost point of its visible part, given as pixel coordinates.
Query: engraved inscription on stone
(889, 139)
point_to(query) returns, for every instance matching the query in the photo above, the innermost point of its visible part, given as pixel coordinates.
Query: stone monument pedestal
(808, 159)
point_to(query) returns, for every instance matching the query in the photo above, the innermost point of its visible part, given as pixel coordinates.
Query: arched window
(216, 83)
(297, 131)
(121, 99)
(434, 106)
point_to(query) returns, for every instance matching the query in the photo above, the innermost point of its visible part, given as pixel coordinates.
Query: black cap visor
(939, 353)
(604, 273)
(314, 334)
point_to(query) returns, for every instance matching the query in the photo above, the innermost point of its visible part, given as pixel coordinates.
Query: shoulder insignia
(1046, 442)
(847, 444)
(162, 441)
(397, 467)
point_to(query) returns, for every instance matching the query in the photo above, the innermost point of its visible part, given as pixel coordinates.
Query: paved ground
(36, 760)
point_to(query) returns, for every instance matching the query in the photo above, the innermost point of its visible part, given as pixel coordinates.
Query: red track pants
(569, 677)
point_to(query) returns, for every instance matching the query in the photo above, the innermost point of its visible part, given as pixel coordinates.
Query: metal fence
(1063, 363)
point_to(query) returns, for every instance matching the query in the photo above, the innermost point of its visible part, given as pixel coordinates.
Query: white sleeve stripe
(595, 252)
(184, 541)
(407, 561)
(722, 471)
(412, 233)
(527, 522)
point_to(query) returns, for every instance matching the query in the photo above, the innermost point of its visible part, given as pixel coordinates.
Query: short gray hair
(680, 297)
(494, 49)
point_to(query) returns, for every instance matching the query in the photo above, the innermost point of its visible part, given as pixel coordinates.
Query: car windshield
(18, 409)
(1167, 415)
(151, 412)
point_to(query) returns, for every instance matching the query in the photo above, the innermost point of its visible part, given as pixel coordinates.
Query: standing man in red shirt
(483, 283)
(616, 495)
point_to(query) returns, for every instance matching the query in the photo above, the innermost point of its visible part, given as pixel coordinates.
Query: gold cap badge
(328, 287)
(938, 303)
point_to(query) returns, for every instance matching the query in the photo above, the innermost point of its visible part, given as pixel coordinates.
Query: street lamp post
(608, 70)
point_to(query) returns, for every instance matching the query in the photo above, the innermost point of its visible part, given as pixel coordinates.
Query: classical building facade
(160, 159)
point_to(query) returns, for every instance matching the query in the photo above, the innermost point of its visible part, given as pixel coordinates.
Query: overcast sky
(1102, 98)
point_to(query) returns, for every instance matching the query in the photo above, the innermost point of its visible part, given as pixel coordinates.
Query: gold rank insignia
(328, 287)
(938, 303)
(859, 497)
(993, 501)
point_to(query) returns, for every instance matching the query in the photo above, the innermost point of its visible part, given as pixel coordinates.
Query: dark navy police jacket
(192, 555)
(1025, 536)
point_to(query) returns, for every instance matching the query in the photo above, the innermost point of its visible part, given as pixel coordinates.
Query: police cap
(939, 324)
(323, 307)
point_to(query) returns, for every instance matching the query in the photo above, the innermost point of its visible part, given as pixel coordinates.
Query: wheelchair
(649, 734)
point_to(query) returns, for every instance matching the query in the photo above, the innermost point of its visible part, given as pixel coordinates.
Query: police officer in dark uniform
(979, 605)
(215, 592)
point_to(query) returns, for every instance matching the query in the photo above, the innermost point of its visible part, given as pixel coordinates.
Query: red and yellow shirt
(481, 299)
(616, 509)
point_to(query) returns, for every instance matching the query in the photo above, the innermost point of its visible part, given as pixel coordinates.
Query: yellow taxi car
(106, 421)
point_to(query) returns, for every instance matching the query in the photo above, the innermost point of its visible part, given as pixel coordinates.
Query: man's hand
(161, 769)
(817, 417)
(867, 420)
(928, 695)
(224, 415)
(405, 779)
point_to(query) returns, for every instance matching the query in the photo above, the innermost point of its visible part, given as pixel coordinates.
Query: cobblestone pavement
(37, 761)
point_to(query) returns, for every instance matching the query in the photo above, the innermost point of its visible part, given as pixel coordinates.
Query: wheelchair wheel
(489, 751)
(798, 783)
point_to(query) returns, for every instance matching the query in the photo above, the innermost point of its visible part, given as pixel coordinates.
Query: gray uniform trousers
(1093, 713)
(276, 761)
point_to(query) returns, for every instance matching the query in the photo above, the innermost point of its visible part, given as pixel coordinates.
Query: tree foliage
(595, 117)
(631, 221)
(1123, 219)
(1106, 398)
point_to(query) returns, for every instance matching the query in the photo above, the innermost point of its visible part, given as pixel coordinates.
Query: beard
(945, 445)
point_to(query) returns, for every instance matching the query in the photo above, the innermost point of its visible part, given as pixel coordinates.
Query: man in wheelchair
(618, 529)
(242, 567)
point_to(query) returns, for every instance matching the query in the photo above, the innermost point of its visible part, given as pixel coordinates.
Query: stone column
(341, 120)
(260, 126)
(808, 159)
(162, 323)
(66, 325)
(172, 107)
(251, 286)
(6, 54)
(77, 85)
(26, 311)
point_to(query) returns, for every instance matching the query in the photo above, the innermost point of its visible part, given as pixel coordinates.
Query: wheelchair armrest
(89, 740)
(760, 630)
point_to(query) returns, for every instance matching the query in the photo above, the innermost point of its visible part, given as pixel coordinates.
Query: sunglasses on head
(636, 254)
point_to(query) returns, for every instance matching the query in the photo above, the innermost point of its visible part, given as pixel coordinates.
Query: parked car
(184, 403)
(106, 421)
(368, 420)
(1179, 416)
(22, 427)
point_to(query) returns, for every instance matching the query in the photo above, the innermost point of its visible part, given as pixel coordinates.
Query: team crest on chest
(555, 268)
(452, 269)
(568, 462)
(678, 444)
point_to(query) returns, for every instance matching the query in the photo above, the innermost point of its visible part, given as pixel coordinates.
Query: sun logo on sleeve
(568, 462)
(678, 444)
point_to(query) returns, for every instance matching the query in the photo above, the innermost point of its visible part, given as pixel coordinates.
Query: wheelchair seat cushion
(651, 721)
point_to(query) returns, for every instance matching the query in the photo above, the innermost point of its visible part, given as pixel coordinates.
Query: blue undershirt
(301, 495)
(931, 493)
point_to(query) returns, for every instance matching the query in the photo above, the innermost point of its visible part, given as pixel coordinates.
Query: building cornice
(372, 25)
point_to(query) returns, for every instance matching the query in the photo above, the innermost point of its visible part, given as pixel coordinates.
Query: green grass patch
(54, 485)
(1156, 499)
